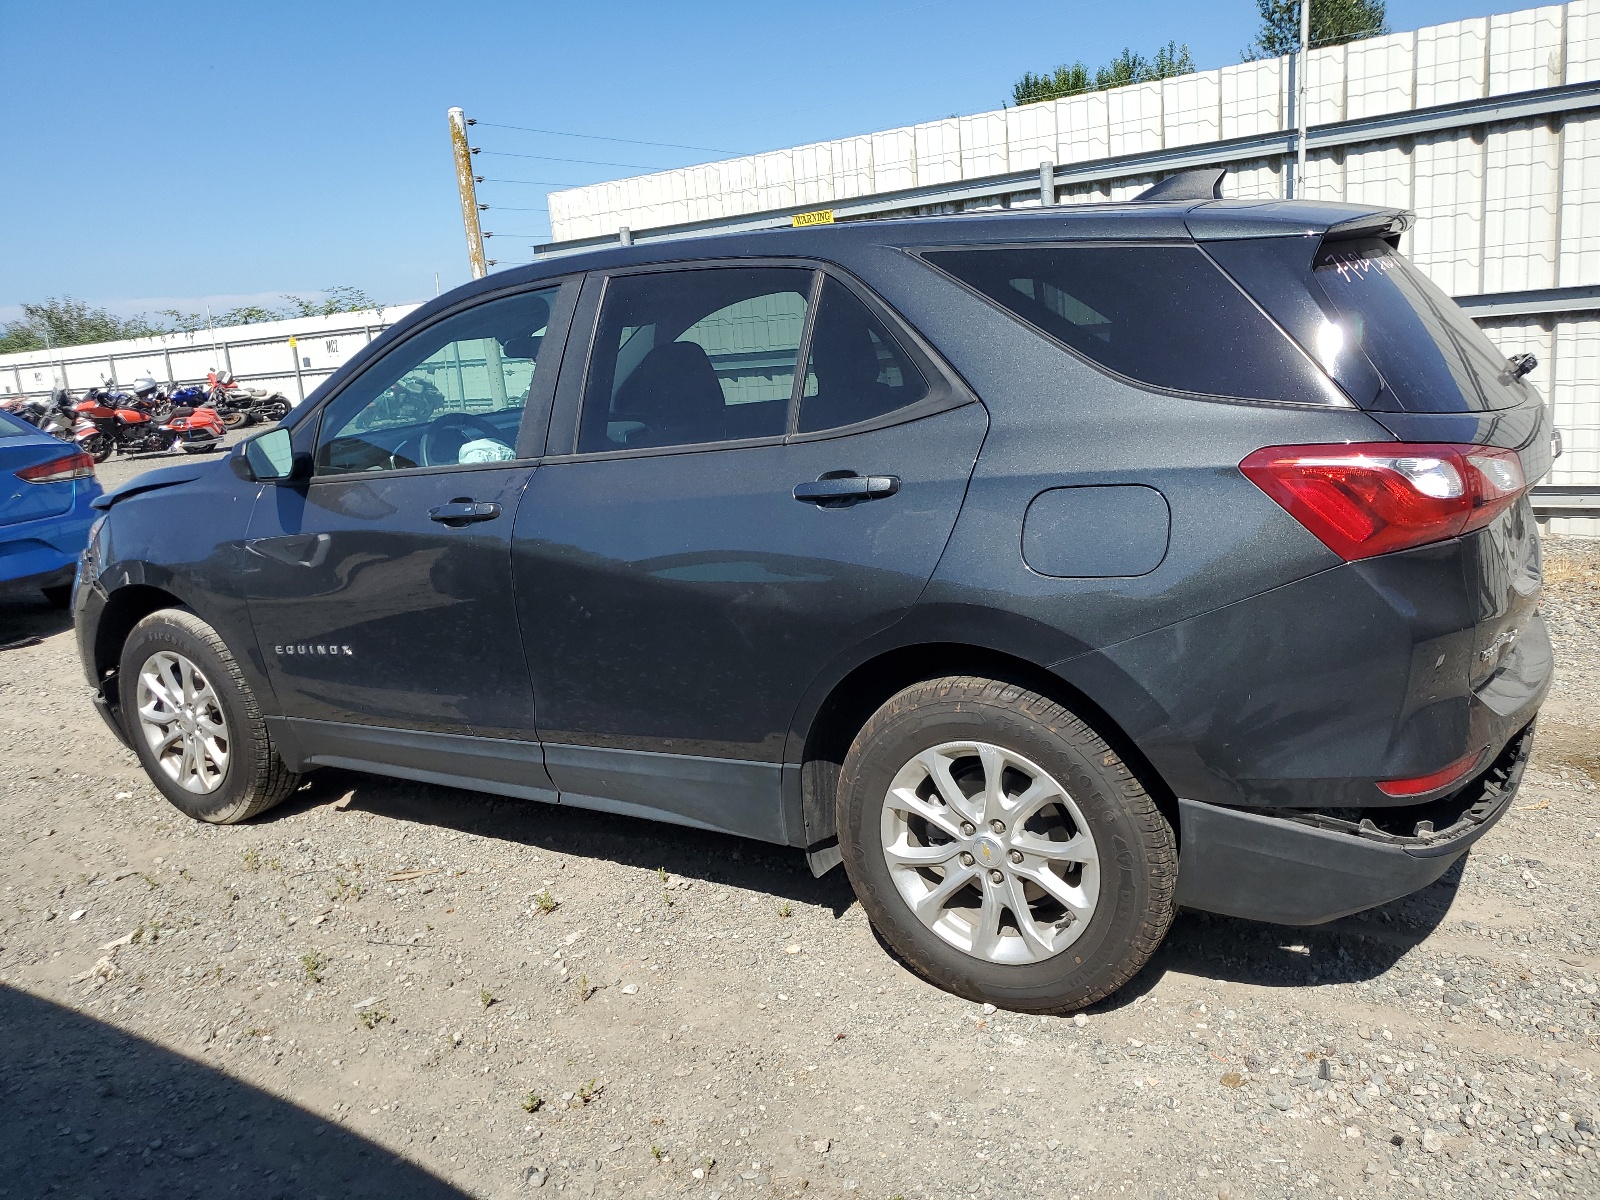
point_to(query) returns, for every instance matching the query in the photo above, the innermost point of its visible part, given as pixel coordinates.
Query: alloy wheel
(182, 721)
(990, 852)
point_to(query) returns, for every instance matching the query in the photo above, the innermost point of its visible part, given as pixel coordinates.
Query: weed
(314, 963)
(785, 910)
(486, 997)
(657, 1153)
(373, 1017)
(343, 889)
(252, 860)
(590, 1092)
(584, 992)
(545, 902)
(666, 898)
(661, 874)
(532, 1102)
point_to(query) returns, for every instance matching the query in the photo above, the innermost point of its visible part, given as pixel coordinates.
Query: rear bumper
(44, 552)
(1308, 868)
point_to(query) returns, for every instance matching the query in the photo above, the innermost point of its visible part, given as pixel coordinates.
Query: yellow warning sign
(293, 342)
(822, 216)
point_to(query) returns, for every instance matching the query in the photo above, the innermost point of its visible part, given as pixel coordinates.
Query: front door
(380, 589)
(727, 524)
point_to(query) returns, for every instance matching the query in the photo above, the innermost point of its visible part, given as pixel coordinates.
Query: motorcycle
(54, 416)
(109, 424)
(241, 406)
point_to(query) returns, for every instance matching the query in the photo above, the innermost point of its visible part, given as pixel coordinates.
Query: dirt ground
(386, 988)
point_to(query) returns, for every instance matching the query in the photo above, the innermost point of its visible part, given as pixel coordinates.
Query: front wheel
(195, 722)
(98, 447)
(1002, 848)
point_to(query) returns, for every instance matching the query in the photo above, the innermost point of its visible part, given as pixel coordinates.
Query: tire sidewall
(151, 636)
(1095, 960)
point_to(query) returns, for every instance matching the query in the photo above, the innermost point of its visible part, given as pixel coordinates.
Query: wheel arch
(858, 693)
(124, 608)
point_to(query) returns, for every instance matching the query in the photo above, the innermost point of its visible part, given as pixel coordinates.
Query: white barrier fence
(291, 356)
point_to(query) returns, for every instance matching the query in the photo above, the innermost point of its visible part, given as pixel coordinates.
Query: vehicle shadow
(96, 1112)
(1353, 949)
(1350, 950)
(778, 871)
(26, 620)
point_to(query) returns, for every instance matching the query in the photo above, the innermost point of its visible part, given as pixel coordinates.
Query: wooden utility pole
(469, 193)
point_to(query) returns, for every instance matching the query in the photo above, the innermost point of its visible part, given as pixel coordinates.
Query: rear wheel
(233, 419)
(1002, 848)
(196, 724)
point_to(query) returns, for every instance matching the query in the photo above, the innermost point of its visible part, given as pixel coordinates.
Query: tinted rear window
(1391, 339)
(1429, 352)
(1158, 314)
(11, 426)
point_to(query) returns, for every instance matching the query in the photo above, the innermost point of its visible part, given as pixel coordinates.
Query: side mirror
(269, 458)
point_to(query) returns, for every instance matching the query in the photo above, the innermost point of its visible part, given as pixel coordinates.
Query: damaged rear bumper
(1305, 868)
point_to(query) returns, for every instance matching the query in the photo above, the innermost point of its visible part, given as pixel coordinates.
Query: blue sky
(171, 154)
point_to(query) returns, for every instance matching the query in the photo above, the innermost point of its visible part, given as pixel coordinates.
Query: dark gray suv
(1050, 569)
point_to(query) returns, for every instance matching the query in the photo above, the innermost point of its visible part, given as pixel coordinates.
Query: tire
(233, 419)
(1090, 808)
(252, 778)
(98, 447)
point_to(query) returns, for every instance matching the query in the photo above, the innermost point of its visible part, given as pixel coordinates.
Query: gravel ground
(388, 988)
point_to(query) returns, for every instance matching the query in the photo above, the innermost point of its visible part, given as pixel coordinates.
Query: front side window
(452, 394)
(688, 357)
(1163, 315)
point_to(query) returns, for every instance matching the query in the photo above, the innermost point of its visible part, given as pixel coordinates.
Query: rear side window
(688, 357)
(1161, 315)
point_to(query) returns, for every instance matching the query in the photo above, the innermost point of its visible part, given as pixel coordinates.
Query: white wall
(259, 355)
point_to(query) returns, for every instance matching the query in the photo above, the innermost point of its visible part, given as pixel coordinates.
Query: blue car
(46, 487)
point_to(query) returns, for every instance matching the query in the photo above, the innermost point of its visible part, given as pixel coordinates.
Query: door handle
(463, 511)
(840, 490)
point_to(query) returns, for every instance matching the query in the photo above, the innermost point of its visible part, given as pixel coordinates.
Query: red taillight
(1371, 498)
(1421, 785)
(58, 470)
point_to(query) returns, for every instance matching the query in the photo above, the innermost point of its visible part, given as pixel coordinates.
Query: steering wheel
(433, 454)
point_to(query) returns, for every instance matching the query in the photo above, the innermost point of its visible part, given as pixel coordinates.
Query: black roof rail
(1202, 184)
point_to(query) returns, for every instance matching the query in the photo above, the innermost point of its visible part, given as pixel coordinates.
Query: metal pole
(1047, 183)
(624, 235)
(469, 193)
(1303, 83)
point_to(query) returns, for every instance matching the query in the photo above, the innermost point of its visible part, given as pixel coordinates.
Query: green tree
(1332, 23)
(1128, 67)
(334, 300)
(65, 321)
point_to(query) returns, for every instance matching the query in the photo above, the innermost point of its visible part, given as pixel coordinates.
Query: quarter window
(855, 370)
(688, 357)
(452, 394)
(1158, 314)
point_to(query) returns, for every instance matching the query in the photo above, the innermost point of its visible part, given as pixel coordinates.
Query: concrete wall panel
(1451, 62)
(1382, 75)
(1192, 108)
(1520, 208)
(1526, 50)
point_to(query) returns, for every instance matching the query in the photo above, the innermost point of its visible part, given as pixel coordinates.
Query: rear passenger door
(757, 468)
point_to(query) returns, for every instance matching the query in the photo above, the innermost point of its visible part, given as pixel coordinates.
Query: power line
(535, 182)
(594, 137)
(507, 208)
(589, 162)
